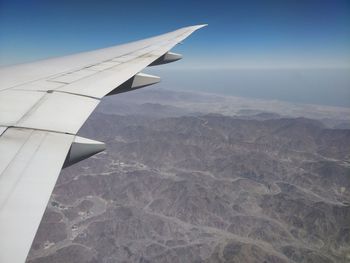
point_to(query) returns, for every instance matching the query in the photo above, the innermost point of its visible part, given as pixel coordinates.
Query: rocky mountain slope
(180, 187)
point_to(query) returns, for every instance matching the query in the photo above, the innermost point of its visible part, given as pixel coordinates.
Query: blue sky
(240, 34)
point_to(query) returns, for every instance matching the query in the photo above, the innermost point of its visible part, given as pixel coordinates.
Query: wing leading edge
(42, 107)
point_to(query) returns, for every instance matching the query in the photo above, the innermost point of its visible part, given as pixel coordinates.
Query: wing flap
(70, 77)
(14, 104)
(59, 112)
(106, 80)
(2, 130)
(30, 164)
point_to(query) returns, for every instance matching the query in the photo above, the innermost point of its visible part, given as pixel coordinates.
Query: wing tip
(196, 27)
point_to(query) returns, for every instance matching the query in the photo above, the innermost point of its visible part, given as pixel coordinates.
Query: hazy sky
(241, 35)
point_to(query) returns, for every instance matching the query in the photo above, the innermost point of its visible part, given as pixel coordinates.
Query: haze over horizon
(286, 38)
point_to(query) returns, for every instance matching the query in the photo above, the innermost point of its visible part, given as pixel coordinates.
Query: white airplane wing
(42, 107)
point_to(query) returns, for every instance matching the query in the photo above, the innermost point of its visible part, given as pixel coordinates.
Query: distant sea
(314, 86)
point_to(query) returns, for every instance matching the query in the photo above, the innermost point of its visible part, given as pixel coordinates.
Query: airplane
(43, 104)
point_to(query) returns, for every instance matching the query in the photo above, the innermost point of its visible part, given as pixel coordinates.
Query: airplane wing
(42, 107)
